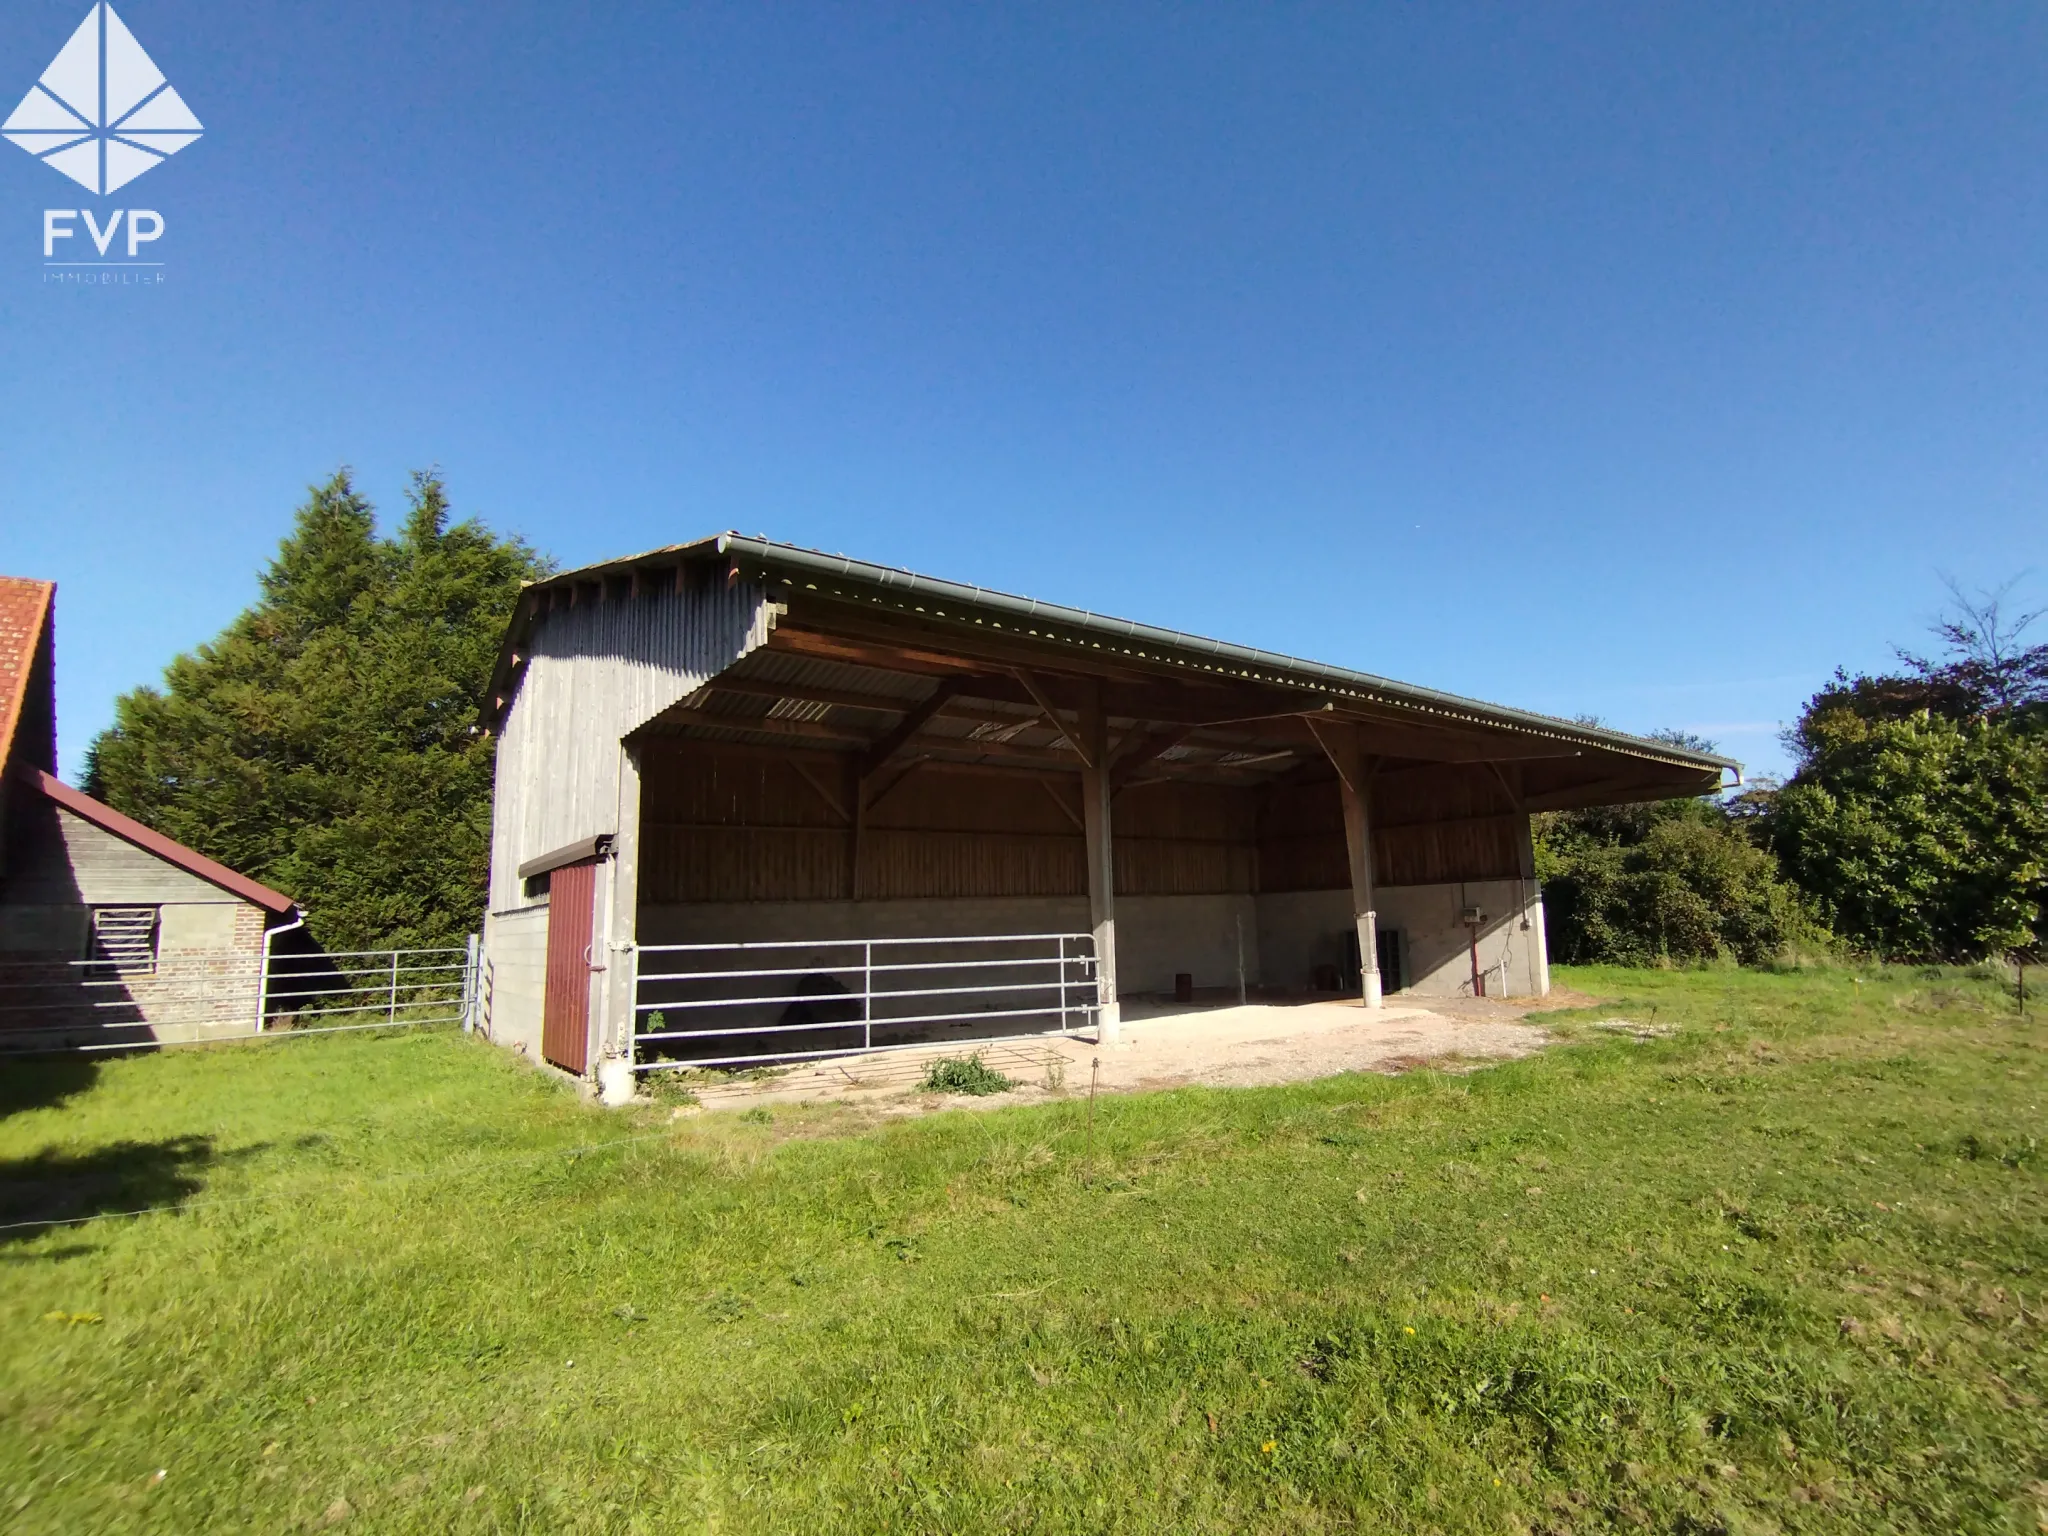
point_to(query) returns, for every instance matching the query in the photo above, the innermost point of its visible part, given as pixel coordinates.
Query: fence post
(867, 994)
(469, 987)
(392, 1016)
(1063, 983)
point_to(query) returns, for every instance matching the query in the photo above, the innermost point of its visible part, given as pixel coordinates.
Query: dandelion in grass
(1270, 1447)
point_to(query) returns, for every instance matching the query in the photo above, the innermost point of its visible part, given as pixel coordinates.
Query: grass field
(1782, 1269)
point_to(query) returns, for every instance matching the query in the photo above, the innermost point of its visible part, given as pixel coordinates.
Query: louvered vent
(124, 939)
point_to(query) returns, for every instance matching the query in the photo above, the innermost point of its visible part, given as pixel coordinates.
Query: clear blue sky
(1639, 360)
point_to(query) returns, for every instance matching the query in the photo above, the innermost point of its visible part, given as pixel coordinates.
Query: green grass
(1781, 1269)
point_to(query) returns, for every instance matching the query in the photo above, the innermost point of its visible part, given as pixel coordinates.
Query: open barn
(756, 803)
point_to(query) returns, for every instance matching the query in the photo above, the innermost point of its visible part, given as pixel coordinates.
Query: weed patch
(964, 1074)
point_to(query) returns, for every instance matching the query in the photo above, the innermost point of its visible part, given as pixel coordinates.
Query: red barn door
(565, 1019)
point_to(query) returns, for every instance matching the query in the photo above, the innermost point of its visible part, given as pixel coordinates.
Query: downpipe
(263, 967)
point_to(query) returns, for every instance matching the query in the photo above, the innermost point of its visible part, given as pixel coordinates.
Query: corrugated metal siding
(565, 1027)
(598, 672)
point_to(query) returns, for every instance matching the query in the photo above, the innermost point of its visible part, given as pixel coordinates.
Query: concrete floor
(1165, 1045)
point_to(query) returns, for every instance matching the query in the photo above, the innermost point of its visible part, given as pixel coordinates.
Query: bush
(964, 1074)
(1685, 882)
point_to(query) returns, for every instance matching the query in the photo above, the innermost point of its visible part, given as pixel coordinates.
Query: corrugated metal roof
(767, 666)
(888, 588)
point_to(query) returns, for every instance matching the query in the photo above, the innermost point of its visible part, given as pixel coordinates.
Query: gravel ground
(1165, 1046)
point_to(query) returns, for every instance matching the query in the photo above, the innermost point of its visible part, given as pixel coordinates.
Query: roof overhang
(835, 606)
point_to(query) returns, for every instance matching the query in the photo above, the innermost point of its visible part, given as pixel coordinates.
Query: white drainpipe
(263, 970)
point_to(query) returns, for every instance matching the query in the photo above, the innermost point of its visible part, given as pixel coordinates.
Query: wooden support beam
(1052, 714)
(907, 727)
(838, 807)
(1066, 810)
(871, 802)
(856, 824)
(1142, 752)
(1354, 779)
(1101, 853)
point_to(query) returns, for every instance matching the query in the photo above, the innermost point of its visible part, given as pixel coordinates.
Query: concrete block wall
(204, 985)
(516, 947)
(1300, 930)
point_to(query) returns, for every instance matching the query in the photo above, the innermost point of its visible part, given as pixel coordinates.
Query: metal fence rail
(100, 1005)
(724, 1005)
(405, 986)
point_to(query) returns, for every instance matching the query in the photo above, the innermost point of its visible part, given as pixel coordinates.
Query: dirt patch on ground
(1162, 1046)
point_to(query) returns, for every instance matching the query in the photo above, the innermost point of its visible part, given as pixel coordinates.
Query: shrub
(964, 1074)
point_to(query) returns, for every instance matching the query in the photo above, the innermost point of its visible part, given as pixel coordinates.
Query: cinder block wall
(516, 948)
(1300, 930)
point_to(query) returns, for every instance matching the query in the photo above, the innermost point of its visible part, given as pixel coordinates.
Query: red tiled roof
(24, 615)
(111, 820)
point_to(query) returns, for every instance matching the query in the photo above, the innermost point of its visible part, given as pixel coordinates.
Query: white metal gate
(120, 1002)
(742, 1004)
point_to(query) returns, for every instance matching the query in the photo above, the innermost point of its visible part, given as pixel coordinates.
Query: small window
(123, 940)
(537, 886)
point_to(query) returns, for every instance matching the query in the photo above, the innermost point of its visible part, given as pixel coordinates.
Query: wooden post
(1093, 750)
(1340, 742)
(856, 818)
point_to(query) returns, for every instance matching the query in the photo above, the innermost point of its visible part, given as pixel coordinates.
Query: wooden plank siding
(725, 822)
(600, 670)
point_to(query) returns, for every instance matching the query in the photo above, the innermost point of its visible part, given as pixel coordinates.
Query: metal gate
(127, 1003)
(742, 1004)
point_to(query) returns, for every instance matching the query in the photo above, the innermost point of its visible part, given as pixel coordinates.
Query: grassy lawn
(1782, 1269)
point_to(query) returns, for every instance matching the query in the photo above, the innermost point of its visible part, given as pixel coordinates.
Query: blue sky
(1646, 361)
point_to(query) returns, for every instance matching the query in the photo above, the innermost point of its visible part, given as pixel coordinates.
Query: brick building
(110, 932)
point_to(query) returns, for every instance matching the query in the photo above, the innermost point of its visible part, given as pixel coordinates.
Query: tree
(1924, 838)
(1987, 667)
(1685, 880)
(326, 742)
(1918, 815)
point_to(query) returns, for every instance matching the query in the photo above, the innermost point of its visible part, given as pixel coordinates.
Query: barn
(110, 933)
(756, 803)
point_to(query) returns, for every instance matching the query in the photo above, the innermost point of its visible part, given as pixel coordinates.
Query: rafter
(1052, 714)
(913, 722)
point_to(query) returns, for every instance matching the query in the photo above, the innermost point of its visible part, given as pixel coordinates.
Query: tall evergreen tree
(325, 742)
